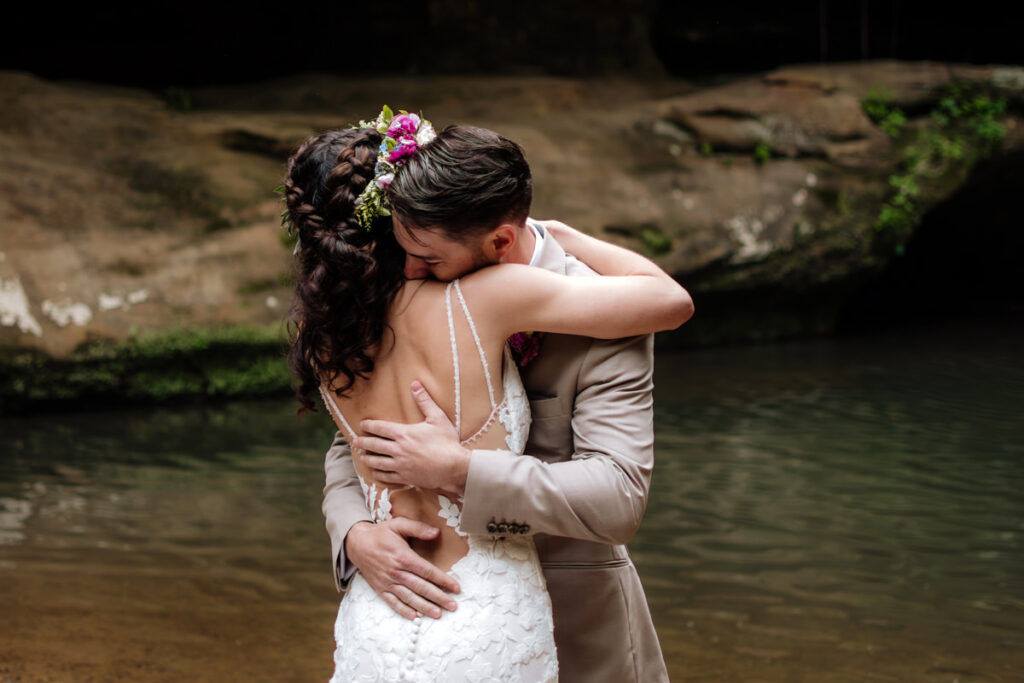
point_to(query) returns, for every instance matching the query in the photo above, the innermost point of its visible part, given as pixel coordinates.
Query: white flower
(425, 133)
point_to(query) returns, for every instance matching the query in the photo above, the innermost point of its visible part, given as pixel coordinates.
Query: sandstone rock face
(121, 214)
(798, 229)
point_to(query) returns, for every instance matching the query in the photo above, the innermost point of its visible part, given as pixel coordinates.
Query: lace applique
(451, 513)
(366, 493)
(502, 631)
(514, 411)
(379, 507)
(383, 506)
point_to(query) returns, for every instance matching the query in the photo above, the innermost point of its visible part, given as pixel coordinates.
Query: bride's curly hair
(346, 275)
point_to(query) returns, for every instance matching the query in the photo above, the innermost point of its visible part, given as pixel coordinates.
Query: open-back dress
(502, 630)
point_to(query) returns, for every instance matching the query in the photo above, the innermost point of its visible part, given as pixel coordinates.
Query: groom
(582, 486)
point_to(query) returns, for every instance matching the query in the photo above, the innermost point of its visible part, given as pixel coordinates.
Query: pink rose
(406, 148)
(403, 125)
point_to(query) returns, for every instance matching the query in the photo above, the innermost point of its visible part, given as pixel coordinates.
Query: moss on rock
(150, 367)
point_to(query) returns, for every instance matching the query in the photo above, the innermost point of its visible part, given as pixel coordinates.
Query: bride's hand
(555, 228)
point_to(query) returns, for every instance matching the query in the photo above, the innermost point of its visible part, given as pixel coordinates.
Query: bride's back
(419, 347)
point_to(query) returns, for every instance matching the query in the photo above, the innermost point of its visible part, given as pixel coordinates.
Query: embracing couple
(490, 376)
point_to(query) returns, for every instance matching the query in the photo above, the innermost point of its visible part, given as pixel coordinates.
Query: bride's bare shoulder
(416, 295)
(499, 277)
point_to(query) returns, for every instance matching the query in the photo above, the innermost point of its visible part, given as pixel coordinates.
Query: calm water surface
(821, 511)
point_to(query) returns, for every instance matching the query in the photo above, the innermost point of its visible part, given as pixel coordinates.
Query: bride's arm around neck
(634, 297)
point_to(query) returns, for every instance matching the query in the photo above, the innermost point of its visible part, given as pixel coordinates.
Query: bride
(363, 334)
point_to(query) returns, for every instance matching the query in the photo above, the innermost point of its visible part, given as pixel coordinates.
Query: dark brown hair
(346, 275)
(466, 181)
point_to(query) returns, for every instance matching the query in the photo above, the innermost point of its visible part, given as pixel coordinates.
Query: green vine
(964, 127)
(879, 108)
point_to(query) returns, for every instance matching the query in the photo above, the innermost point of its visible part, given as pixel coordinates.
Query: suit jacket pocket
(550, 432)
(545, 407)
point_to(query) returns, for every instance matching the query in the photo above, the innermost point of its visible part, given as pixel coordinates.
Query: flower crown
(404, 134)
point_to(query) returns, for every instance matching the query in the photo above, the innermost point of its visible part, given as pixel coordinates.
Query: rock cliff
(141, 253)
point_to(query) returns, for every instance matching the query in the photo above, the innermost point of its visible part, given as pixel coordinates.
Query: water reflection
(841, 511)
(177, 544)
(821, 511)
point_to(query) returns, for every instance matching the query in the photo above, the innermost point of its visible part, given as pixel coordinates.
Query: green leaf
(762, 152)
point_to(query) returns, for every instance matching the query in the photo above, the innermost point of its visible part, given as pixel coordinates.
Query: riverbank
(153, 367)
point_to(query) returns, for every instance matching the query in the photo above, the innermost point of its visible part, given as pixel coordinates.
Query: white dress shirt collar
(538, 244)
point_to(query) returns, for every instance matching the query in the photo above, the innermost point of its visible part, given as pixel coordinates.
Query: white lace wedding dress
(502, 630)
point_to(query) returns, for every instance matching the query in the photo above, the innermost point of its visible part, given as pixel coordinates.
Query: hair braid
(347, 275)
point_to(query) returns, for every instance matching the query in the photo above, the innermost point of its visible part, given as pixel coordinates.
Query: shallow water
(821, 511)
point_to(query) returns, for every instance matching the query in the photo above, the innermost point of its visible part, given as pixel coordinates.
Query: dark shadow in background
(728, 36)
(189, 43)
(963, 262)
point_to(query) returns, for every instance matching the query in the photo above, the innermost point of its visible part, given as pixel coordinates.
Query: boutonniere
(525, 346)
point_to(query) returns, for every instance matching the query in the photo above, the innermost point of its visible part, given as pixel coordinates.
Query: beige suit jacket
(581, 490)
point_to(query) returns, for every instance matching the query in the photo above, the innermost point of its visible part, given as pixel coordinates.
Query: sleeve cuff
(486, 480)
(344, 570)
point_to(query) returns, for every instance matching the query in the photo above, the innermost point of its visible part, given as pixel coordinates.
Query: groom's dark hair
(465, 182)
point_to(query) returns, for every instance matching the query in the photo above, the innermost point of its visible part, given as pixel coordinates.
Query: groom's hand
(426, 454)
(408, 584)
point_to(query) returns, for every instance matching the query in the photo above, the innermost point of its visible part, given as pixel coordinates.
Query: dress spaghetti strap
(454, 284)
(455, 357)
(479, 346)
(336, 411)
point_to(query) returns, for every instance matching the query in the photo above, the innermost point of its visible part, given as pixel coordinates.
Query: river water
(828, 510)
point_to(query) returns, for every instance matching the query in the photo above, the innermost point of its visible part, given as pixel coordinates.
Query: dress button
(492, 528)
(503, 528)
(525, 528)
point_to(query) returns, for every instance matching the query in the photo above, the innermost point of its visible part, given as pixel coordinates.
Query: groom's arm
(600, 494)
(343, 506)
(409, 584)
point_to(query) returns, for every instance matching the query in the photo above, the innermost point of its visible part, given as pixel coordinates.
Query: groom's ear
(499, 242)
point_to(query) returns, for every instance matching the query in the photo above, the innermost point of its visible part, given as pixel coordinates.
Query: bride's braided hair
(346, 275)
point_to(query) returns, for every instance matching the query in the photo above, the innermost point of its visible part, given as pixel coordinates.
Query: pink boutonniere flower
(525, 346)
